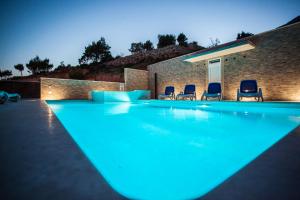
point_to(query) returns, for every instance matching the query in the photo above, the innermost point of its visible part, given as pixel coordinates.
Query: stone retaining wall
(135, 79)
(56, 89)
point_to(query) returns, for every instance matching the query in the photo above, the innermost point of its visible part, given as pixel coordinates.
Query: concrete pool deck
(39, 160)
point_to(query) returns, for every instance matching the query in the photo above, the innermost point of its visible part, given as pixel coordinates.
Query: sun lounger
(189, 93)
(214, 90)
(169, 93)
(248, 88)
(14, 97)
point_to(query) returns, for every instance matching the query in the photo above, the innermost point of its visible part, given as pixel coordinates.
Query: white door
(214, 70)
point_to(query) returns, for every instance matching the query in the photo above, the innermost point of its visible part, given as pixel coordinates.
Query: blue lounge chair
(14, 97)
(248, 88)
(3, 97)
(169, 93)
(214, 90)
(189, 93)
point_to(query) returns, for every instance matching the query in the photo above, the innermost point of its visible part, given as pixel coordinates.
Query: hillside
(113, 70)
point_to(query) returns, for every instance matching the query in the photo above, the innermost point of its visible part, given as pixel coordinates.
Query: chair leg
(261, 94)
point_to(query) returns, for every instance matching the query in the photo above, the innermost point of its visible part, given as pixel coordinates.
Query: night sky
(59, 30)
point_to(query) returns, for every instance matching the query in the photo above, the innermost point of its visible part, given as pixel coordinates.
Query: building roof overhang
(221, 50)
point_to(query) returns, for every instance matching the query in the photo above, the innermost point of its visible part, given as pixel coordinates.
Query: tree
(76, 75)
(36, 65)
(166, 40)
(140, 47)
(5, 74)
(214, 42)
(62, 66)
(19, 67)
(148, 45)
(136, 47)
(97, 52)
(243, 35)
(182, 40)
(195, 44)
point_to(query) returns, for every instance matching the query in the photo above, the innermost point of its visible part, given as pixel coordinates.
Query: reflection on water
(120, 108)
(188, 113)
(153, 129)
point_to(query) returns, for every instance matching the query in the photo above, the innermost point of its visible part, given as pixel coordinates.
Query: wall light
(122, 87)
(49, 89)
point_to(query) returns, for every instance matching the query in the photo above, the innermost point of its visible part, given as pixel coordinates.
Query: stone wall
(55, 89)
(177, 73)
(274, 63)
(135, 79)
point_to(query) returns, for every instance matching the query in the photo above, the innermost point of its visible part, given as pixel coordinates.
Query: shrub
(76, 75)
(166, 40)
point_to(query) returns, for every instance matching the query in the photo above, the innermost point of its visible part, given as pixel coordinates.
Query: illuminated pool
(173, 150)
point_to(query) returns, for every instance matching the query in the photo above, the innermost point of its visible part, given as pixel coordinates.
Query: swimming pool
(173, 150)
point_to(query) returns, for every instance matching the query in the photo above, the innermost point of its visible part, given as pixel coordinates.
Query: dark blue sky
(59, 30)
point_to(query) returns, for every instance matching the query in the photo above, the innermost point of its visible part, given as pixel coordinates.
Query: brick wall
(135, 79)
(55, 89)
(274, 63)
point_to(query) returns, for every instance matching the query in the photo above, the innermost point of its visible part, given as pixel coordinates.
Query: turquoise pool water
(164, 150)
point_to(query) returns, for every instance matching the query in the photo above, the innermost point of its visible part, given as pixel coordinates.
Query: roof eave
(222, 51)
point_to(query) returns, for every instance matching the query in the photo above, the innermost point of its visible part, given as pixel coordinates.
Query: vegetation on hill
(137, 47)
(214, 42)
(243, 35)
(19, 67)
(97, 52)
(182, 40)
(5, 74)
(166, 40)
(97, 62)
(36, 65)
